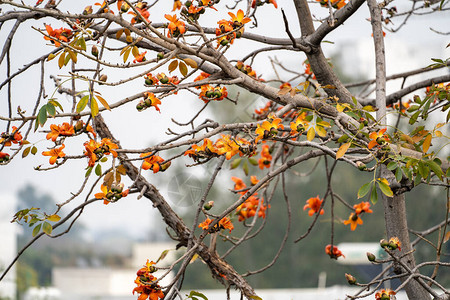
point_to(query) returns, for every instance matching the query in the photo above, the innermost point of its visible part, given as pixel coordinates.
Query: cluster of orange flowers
(268, 128)
(223, 146)
(355, 219)
(385, 294)
(229, 30)
(266, 158)
(209, 93)
(149, 100)
(141, 7)
(112, 194)
(140, 57)
(146, 285)
(95, 151)
(314, 205)
(252, 205)
(308, 70)
(333, 253)
(154, 162)
(246, 69)
(176, 26)
(338, 4)
(56, 36)
(403, 108)
(7, 139)
(224, 223)
(263, 112)
(60, 130)
(378, 138)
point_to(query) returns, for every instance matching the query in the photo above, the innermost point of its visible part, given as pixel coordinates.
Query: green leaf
(398, 174)
(88, 172)
(235, 163)
(98, 170)
(391, 166)
(364, 190)
(245, 168)
(82, 103)
(82, 43)
(36, 230)
(255, 297)
(26, 151)
(104, 159)
(51, 109)
(385, 188)
(198, 294)
(47, 228)
(417, 179)
(436, 169)
(374, 195)
(41, 117)
(414, 117)
(163, 255)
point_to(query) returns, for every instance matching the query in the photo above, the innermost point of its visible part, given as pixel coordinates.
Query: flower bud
(392, 246)
(224, 42)
(160, 55)
(384, 243)
(124, 8)
(78, 126)
(103, 78)
(208, 205)
(371, 256)
(350, 279)
(362, 166)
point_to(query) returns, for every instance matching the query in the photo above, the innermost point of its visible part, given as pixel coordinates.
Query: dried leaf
(284, 91)
(126, 54)
(183, 68)
(103, 102)
(121, 170)
(173, 65)
(119, 33)
(61, 60)
(135, 51)
(191, 63)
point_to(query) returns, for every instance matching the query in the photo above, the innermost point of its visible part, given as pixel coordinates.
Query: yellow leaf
(54, 218)
(439, 125)
(94, 107)
(191, 63)
(383, 180)
(311, 134)
(124, 49)
(447, 236)
(121, 169)
(329, 86)
(103, 102)
(135, 51)
(426, 143)
(127, 32)
(61, 60)
(438, 133)
(342, 150)
(127, 53)
(194, 258)
(340, 108)
(369, 108)
(129, 39)
(406, 138)
(173, 65)
(321, 131)
(51, 56)
(73, 55)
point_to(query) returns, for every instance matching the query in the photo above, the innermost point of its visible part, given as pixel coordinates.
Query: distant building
(8, 246)
(111, 283)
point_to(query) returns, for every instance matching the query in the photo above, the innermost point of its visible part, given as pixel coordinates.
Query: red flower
(314, 205)
(58, 35)
(335, 253)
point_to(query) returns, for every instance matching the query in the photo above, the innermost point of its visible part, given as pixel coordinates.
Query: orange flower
(335, 253)
(204, 152)
(238, 184)
(314, 205)
(140, 57)
(142, 9)
(300, 124)
(268, 128)
(378, 138)
(210, 93)
(239, 19)
(56, 130)
(58, 35)
(95, 151)
(115, 193)
(337, 4)
(205, 225)
(248, 209)
(266, 158)
(354, 220)
(153, 162)
(227, 146)
(224, 223)
(14, 137)
(254, 180)
(395, 243)
(260, 2)
(263, 111)
(54, 154)
(151, 100)
(176, 26)
(176, 5)
(362, 207)
(384, 294)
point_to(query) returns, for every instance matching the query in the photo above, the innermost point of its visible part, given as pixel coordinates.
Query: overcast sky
(410, 48)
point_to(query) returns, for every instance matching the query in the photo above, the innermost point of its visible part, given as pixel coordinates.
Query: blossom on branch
(60, 130)
(54, 154)
(314, 205)
(335, 253)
